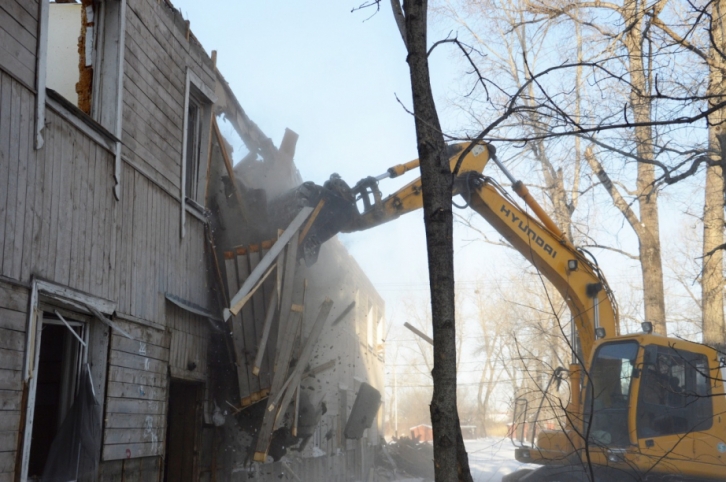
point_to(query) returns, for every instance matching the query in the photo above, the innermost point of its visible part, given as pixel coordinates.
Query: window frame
(108, 65)
(195, 91)
(46, 291)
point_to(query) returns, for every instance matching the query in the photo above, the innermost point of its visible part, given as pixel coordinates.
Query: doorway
(60, 359)
(182, 428)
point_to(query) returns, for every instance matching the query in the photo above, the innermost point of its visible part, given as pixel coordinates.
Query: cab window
(674, 393)
(608, 394)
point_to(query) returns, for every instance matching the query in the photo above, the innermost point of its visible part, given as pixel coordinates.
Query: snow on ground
(491, 459)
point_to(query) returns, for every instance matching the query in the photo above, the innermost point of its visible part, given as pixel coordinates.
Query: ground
(492, 458)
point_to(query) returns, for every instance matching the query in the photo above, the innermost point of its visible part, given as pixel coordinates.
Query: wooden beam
(269, 315)
(305, 355)
(420, 333)
(266, 262)
(228, 165)
(236, 328)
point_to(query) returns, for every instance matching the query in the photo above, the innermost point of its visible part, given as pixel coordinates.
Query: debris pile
(407, 457)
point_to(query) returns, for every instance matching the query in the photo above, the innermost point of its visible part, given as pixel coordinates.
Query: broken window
(65, 372)
(80, 60)
(61, 354)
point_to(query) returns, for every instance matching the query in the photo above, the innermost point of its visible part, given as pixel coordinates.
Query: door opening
(182, 426)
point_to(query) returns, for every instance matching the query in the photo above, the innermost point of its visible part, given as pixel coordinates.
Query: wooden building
(115, 216)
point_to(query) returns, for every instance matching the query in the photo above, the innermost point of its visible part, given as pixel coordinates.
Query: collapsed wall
(286, 379)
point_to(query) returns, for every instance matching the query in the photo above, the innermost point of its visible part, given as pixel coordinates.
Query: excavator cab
(645, 398)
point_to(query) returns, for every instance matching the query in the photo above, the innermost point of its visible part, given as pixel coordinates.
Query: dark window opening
(59, 366)
(674, 393)
(193, 154)
(608, 394)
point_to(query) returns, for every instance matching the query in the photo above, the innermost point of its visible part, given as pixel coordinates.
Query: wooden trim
(107, 142)
(139, 321)
(119, 101)
(58, 291)
(185, 128)
(40, 73)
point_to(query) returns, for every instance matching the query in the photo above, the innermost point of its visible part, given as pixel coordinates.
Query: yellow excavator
(642, 406)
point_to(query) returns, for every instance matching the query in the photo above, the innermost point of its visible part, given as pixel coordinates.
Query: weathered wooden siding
(59, 219)
(189, 343)
(14, 303)
(18, 38)
(135, 420)
(157, 55)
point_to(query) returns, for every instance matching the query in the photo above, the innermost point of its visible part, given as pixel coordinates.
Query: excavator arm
(530, 231)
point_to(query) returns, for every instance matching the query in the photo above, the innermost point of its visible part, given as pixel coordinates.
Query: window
(80, 69)
(60, 363)
(82, 56)
(195, 146)
(674, 393)
(66, 355)
(608, 394)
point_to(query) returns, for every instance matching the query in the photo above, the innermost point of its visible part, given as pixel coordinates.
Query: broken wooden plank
(302, 362)
(342, 315)
(269, 315)
(268, 289)
(286, 293)
(319, 369)
(236, 328)
(295, 410)
(420, 333)
(248, 322)
(252, 292)
(287, 328)
(266, 262)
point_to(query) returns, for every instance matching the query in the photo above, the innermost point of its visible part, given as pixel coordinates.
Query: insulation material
(85, 57)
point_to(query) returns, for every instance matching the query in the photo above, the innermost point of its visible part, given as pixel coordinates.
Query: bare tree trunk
(450, 460)
(649, 236)
(712, 281)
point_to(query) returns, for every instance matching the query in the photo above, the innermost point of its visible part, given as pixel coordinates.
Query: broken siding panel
(235, 323)
(248, 322)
